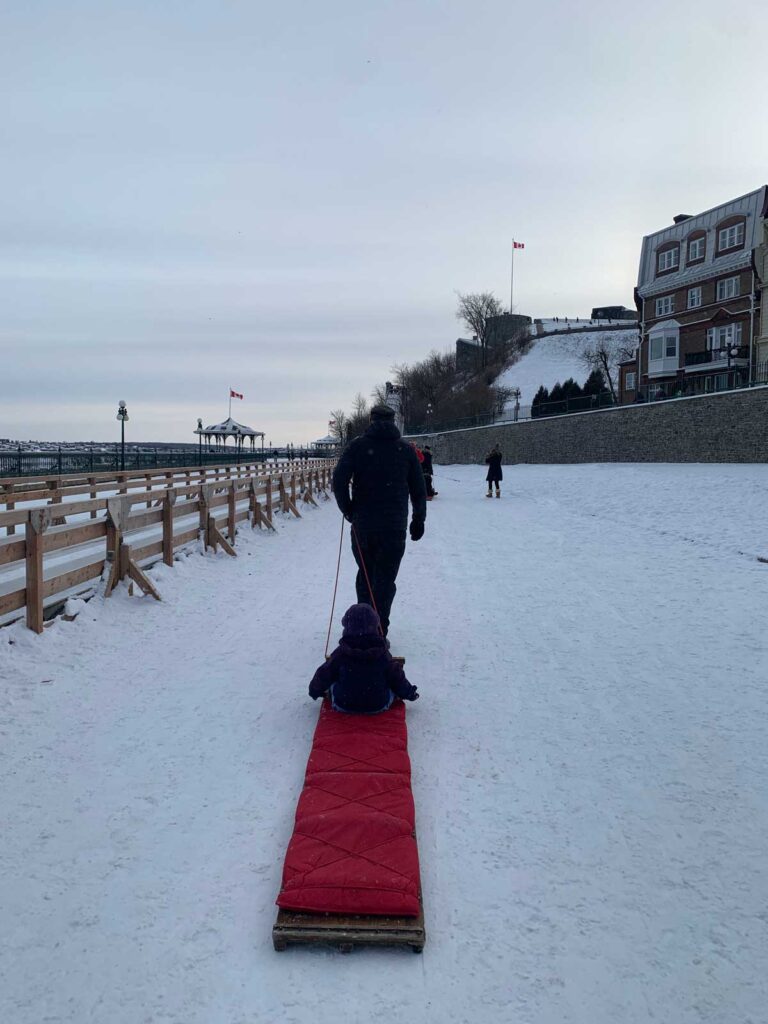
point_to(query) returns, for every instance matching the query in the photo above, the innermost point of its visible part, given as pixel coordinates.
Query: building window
(668, 259)
(694, 297)
(665, 305)
(629, 381)
(728, 288)
(724, 337)
(696, 249)
(729, 238)
(663, 346)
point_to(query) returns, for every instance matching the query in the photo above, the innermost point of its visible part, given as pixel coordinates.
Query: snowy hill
(554, 359)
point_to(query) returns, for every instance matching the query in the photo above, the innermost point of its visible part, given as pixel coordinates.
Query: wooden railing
(55, 559)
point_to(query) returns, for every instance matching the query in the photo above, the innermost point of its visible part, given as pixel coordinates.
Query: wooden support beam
(269, 499)
(5, 491)
(38, 522)
(206, 493)
(288, 504)
(118, 510)
(168, 503)
(232, 512)
(138, 576)
(217, 538)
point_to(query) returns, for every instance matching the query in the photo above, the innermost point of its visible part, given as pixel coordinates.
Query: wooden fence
(55, 559)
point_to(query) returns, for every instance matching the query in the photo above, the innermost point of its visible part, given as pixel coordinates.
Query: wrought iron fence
(100, 459)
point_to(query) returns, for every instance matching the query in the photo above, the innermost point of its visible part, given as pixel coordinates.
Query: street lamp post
(122, 415)
(199, 441)
(429, 417)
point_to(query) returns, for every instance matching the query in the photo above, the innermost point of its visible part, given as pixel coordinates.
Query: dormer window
(668, 259)
(697, 248)
(730, 235)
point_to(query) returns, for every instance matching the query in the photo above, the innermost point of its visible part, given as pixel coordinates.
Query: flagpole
(230, 401)
(512, 281)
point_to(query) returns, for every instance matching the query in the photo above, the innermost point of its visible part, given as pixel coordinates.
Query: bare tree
(473, 311)
(606, 352)
(338, 424)
(358, 420)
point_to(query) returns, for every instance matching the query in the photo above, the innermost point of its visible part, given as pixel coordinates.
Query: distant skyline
(286, 198)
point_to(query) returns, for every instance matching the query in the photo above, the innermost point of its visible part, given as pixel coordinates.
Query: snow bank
(590, 768)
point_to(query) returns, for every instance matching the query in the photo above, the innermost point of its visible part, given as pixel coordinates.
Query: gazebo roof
(230, 428)
(328, 439)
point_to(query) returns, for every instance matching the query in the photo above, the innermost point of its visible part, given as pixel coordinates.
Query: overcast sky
(285, 197)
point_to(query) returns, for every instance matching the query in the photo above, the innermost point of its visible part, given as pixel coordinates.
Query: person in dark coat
(495, 476)
(384, 472)
(428, 471)
(361, 676)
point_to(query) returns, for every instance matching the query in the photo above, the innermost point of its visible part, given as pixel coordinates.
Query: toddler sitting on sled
(361, 676)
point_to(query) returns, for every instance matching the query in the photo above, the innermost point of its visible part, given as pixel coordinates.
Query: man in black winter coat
(384, 472)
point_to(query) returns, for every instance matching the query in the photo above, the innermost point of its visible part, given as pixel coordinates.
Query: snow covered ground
(590, 768)
(552, 360)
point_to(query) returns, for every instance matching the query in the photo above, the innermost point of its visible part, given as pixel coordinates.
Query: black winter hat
(382, 412)
(360, 620)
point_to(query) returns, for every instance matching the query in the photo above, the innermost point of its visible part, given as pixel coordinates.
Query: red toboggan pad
(353, 849)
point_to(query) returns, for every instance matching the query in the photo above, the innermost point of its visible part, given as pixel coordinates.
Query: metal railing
(713, 356)
(100, 459)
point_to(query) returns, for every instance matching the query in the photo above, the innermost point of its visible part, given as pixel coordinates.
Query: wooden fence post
(168, 502)
(7, 489)
(38, 522)
(269, 498)
(232, 511)
(205, 497)
(118, 510)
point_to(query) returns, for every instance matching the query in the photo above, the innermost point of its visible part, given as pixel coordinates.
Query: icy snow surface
(590, 768)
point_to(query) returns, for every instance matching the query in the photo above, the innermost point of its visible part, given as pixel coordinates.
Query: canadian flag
(518, 245)
(234, 394)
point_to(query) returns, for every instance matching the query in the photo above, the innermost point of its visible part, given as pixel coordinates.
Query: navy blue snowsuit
(362, 676)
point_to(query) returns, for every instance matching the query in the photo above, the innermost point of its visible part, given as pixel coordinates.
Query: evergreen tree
(556, 399)
(595, 384)
(541, 397)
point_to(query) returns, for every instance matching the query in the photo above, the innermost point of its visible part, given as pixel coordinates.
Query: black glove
(414, 694)
(314, 696)
(348, 513)
(417, 529)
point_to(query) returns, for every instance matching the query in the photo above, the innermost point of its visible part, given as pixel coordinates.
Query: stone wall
(728, 427)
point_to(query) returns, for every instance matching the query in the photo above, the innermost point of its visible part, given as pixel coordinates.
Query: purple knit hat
(360, 620)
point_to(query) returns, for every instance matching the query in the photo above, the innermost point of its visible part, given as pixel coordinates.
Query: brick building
(698, 297)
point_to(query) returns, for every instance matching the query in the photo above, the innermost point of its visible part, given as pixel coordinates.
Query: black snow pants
(382, 552)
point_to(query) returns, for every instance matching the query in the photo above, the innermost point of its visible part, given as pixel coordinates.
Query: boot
(489, 494)
(498, 492)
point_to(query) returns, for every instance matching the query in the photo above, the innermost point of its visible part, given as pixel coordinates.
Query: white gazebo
(326, 444)
(219, 432)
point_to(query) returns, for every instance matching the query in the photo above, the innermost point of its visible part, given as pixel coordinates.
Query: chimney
(681, 217)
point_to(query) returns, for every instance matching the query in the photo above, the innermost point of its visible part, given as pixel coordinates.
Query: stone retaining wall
(728, 427)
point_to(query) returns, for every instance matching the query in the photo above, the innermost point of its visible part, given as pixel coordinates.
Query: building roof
(753, 206)
(230, 428)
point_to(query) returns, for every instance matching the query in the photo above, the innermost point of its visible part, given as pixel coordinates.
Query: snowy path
(590, 769)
